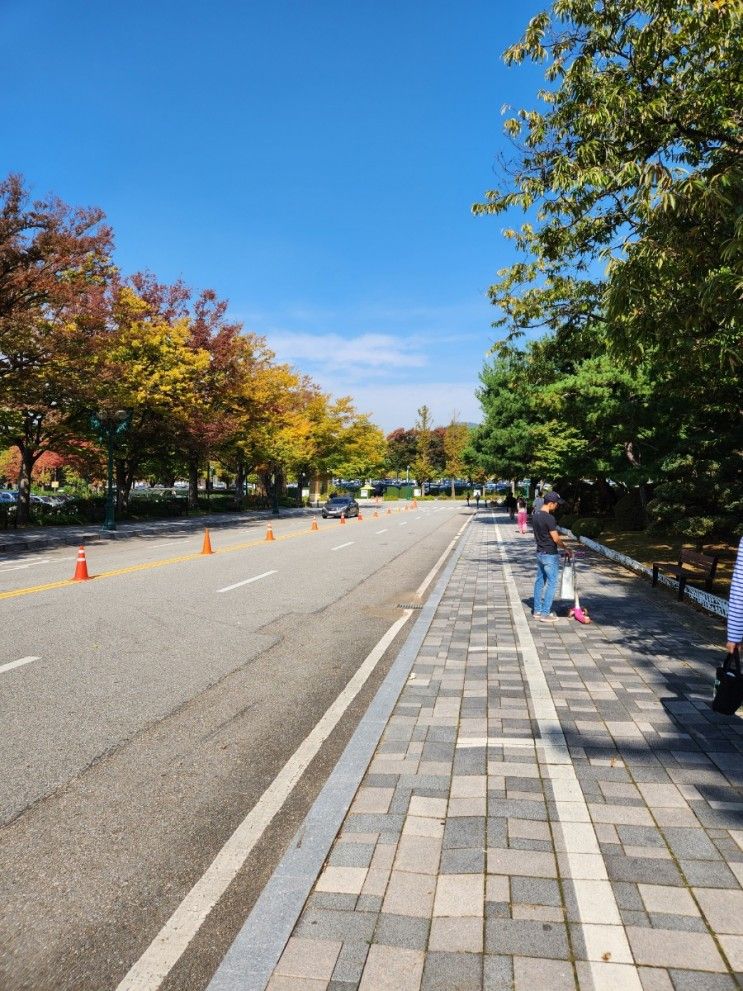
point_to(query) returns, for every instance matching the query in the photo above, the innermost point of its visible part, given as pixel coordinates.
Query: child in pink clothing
(521, 515)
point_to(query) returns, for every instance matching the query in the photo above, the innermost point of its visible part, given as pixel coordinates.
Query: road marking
(148, 565)
(402, 524)
(598, 911)
(17, 664)
(341, 546)
(247, 581)
(21, 567)
(166, 949)
(382, 531)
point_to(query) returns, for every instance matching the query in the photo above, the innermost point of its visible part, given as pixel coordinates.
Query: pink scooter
(578, 612)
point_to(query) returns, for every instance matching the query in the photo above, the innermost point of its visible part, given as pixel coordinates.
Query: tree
(423, 467)
(364, 448)
(54, 265)
(641, 128)
(148, 367)
(401, 450)
(630, 178)
(456, 439)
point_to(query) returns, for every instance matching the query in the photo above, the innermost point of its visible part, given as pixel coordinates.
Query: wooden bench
(701, 566)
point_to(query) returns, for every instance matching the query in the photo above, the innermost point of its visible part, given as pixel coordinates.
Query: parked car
(8, 497)
(340, 505)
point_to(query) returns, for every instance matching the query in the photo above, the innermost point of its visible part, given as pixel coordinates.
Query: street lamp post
(109, 426)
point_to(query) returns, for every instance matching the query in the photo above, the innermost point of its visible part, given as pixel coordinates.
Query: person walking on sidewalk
(735, 604)
(521, 515)
(548, 542)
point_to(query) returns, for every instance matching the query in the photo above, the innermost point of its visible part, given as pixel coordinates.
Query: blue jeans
(545, 585)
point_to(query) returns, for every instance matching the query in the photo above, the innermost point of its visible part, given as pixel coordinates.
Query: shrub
(588, 526)
(567, 520)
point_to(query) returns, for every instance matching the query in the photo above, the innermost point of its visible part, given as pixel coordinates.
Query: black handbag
(728, 685)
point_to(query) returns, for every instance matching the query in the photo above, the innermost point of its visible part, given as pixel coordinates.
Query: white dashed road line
(382, 531)
(247, 581)
(17, 664)
(341, 546)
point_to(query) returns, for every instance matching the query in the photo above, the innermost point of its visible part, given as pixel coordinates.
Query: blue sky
(314, 161)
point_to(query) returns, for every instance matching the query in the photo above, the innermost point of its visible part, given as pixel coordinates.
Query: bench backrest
(702, 561)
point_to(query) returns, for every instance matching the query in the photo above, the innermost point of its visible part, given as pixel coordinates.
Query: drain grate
(409, 605)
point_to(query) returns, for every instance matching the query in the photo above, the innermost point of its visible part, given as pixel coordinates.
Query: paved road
(163, 699)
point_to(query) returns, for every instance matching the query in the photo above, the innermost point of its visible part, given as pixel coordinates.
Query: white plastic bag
(567, 582)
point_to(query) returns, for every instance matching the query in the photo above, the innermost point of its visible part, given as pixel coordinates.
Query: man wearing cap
(548, 542)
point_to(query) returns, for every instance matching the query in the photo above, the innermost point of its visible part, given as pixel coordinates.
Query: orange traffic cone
(360, 517)
(269, 533)
(415, 504)
(314, 525)
(207, 546)
(81, 568)
(343, 517)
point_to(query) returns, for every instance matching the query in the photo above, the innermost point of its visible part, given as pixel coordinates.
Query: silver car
(340, 506)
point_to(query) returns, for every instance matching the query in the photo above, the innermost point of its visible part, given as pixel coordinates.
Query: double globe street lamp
(110, 426)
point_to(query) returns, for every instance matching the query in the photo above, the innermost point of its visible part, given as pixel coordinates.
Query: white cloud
(384, 355)
(392, 406)
(356, 356)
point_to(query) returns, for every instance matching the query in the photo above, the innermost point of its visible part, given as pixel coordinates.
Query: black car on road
(340, 505)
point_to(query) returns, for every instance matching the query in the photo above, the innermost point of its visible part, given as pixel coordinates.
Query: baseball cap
(553, 497)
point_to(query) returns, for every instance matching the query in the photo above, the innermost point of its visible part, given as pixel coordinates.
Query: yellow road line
(146, 566)
(35, 588)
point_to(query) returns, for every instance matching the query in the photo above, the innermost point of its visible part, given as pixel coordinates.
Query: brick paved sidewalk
(549, 807)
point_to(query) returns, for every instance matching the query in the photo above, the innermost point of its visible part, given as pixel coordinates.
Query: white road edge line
(148, 973)
(17, 664)
(341, 546)
(382, 531)
(247, 581)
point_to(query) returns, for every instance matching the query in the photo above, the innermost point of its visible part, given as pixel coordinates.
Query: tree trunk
(240, 484)
(125, 471)
(193, 483)
(643, 493)
(300, 479)
(453, 490)
(28, 460)
(277, 487)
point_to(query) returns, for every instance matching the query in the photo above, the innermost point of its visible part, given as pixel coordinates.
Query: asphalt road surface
(146, 712)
